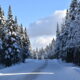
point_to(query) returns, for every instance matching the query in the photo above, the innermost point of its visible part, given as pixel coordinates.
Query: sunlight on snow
(30, 73)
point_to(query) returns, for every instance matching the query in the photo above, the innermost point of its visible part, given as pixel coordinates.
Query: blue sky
(29, 11)
(39, 16)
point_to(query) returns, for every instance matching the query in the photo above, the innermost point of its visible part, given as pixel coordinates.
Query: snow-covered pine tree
(68, 34)
(25, 44)
(58, 42)
(2, 18)
(76, 37)
(58, 30)
(73, 9)
(70, 37)
(14, 40)
(1, 51)
(49, 50)
(15, 25)
(52, 44)
(10, 42)
(33, 54)
(2, 24)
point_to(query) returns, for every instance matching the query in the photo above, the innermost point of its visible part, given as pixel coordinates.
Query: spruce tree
(57, 31)
(26, 44)
(11, 46)
(57, 45)
(14, 41)
(2, 18)
(10, 16)
(73, 9)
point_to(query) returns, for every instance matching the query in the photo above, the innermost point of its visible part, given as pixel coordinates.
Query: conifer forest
(59, 60)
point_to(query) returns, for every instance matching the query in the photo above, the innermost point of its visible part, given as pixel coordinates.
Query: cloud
(60, 13)
(46, 26)
(42, 31)
(41, 41)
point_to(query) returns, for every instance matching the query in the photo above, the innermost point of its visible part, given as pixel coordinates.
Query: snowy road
(32, 68)
(33, 77)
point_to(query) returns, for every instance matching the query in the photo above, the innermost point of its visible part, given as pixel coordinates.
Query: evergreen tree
(14, 41)
(11, 46)
(26, 44)
(2, 18)
(57, 31)
(10, 16)
(73, 9)
(58, 42)
(15, 25)
(68, 41)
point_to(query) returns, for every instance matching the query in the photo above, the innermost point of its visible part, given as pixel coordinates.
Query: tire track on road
(34, 76)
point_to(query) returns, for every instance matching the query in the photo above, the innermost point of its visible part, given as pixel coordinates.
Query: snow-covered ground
(41, 70)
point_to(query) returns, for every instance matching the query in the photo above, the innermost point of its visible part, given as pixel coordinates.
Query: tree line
(67, 46)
